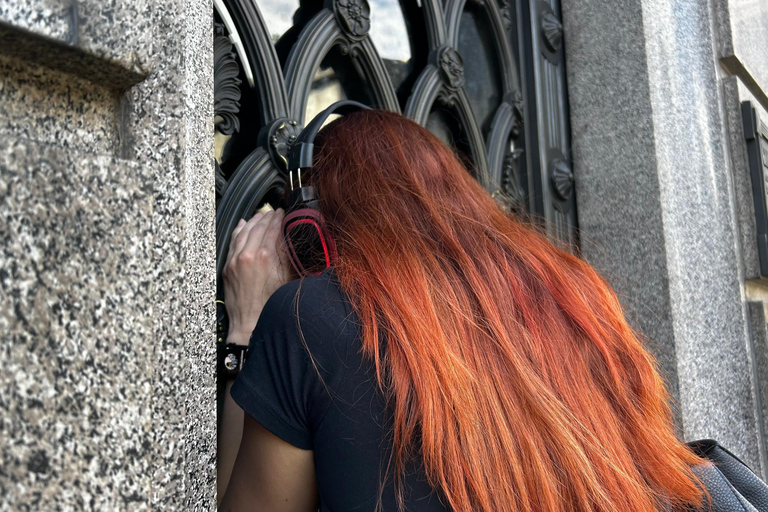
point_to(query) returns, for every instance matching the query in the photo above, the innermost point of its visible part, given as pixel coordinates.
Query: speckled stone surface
(76, 373)
(759, 331)
(53, 54)
(701, 235)
(57, 108)
(742, 30)
(168, 118)
(656, 202)
(734, 93)
(56, 19)
(116, 31)
(159, 423)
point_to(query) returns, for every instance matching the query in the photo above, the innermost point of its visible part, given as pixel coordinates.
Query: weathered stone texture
(701, 234)
(56, 19)
(76, 373)
(733, 94)
(169, 119)
(115, 31)
(127, 418)
(742, 41)
(759, 331)
(57, 108)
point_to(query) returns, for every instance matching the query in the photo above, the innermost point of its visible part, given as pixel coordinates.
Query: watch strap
(232, 358)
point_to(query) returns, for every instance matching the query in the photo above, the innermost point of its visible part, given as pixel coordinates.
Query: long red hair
(507, 361)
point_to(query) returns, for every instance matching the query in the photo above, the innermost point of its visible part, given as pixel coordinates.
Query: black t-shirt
(329, 402)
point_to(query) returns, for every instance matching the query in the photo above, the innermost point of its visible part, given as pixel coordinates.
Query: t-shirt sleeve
(280, 385)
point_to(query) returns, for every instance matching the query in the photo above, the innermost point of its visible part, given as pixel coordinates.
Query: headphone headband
(309, 243)
(300, 154)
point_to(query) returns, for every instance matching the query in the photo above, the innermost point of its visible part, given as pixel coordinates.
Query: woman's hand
(256, 266)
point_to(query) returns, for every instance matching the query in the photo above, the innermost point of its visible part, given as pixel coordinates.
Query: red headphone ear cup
(290, 249)
(310, 246)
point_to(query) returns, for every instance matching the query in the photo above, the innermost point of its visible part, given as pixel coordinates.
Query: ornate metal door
(486, 76)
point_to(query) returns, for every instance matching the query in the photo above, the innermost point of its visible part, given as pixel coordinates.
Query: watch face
(231, 362)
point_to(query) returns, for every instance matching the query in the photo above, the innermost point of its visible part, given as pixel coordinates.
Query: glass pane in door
(278, 16)
(481, 65)
(338, 78)
(399, 33)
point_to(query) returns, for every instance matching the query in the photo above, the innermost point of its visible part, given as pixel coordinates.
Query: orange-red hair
(507, 360)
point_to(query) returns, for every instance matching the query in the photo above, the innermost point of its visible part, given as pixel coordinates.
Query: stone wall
(663, 193)
(107, 276)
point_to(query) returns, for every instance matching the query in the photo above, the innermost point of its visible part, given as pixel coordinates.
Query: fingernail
(240, 222)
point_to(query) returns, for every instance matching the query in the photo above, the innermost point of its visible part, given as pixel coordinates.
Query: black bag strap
(731, 484)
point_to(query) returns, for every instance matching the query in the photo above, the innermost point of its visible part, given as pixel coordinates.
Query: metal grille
(486, 76)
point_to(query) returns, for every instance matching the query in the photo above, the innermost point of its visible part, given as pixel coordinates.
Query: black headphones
(311, 247)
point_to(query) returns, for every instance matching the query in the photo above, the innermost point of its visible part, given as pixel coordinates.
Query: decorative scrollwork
(551, 31)
(226, 85)
(506, 13)
(510, 179)
(517, 127)
(281, 135)
(515, 98)
(562, 179)
(221, 181)
(451, 67)
(354, 17)
(350, 48)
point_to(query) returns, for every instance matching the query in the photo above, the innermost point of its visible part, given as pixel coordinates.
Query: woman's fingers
(235, 231)
(273, 230)
(241, 223)
(255, 236)
(241, 238)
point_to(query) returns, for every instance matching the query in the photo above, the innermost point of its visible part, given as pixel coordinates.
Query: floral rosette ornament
(354, 16)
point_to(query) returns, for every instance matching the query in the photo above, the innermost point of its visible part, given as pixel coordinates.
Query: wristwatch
(232, 358)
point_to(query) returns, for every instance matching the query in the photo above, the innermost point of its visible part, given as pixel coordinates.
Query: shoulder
(314, 308)
(318, 297)
(297, 354)
(308, 291)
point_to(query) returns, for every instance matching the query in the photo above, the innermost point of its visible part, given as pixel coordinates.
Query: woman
(453, 359)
